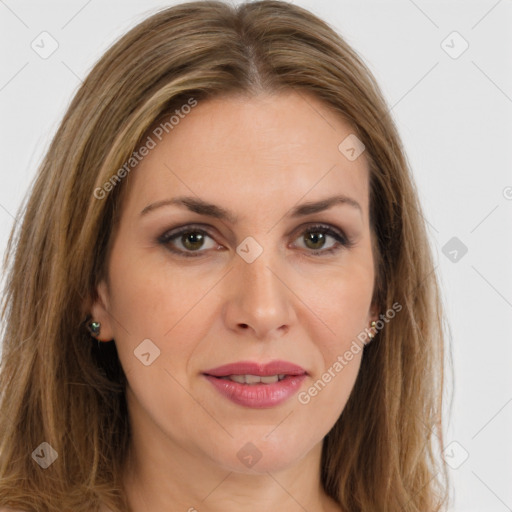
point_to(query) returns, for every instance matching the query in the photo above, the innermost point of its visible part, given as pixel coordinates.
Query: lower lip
(258, 396)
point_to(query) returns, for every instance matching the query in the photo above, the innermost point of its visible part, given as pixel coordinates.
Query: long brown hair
(61, 387)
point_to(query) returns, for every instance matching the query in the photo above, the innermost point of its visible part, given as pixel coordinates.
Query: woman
(222, 293)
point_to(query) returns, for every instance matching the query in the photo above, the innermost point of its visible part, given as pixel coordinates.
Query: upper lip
(255, 368)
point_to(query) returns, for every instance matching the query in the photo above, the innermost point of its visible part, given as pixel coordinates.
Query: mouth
(256, 385)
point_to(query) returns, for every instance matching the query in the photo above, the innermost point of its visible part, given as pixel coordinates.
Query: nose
(259, 301)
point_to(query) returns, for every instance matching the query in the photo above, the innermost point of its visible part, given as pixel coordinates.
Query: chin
(257, 455)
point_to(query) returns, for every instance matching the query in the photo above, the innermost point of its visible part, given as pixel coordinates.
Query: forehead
(268, 151)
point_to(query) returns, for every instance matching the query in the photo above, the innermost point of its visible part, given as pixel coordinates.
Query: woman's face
(259, 275)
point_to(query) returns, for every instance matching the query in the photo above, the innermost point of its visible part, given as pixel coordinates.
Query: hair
(59, 386)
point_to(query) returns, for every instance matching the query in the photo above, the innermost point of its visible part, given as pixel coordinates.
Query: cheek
(151, 296)
(163, 303)
(340, 301)
(343, 308)
(337, 313)
(155, 311)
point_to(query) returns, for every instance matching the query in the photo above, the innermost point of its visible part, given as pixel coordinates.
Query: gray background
(454, 112)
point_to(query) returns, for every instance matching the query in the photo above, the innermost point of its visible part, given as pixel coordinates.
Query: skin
(259, 157)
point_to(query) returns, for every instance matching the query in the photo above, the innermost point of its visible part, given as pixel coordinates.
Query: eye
(315, 238)
(189, 240)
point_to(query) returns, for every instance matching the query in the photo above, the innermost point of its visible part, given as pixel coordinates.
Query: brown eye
(192, 240)
(315, 239)
(187, 241)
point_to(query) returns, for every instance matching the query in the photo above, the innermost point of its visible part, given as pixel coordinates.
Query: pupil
(195, 240)
(315, 238)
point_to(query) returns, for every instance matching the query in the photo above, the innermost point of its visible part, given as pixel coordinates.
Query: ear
(100, 312)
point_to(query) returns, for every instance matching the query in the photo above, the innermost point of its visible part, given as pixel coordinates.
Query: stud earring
(370, 334)
(94, 328)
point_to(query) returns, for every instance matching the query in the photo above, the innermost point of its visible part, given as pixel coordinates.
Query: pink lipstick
(255, 385)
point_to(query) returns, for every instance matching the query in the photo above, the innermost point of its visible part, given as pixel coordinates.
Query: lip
(253, 368)
(257, 396)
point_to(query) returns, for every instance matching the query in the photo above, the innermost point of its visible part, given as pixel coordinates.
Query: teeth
(255, 379)
(269, 379)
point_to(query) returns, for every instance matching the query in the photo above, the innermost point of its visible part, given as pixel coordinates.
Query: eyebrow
(201, 207)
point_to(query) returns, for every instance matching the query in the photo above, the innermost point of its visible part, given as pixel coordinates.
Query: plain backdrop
(445, 70)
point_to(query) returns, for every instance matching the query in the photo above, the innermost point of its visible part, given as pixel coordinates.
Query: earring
(94, 328)
(370, 334)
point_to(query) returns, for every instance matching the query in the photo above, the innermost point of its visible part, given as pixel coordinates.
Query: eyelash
(343, 242)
